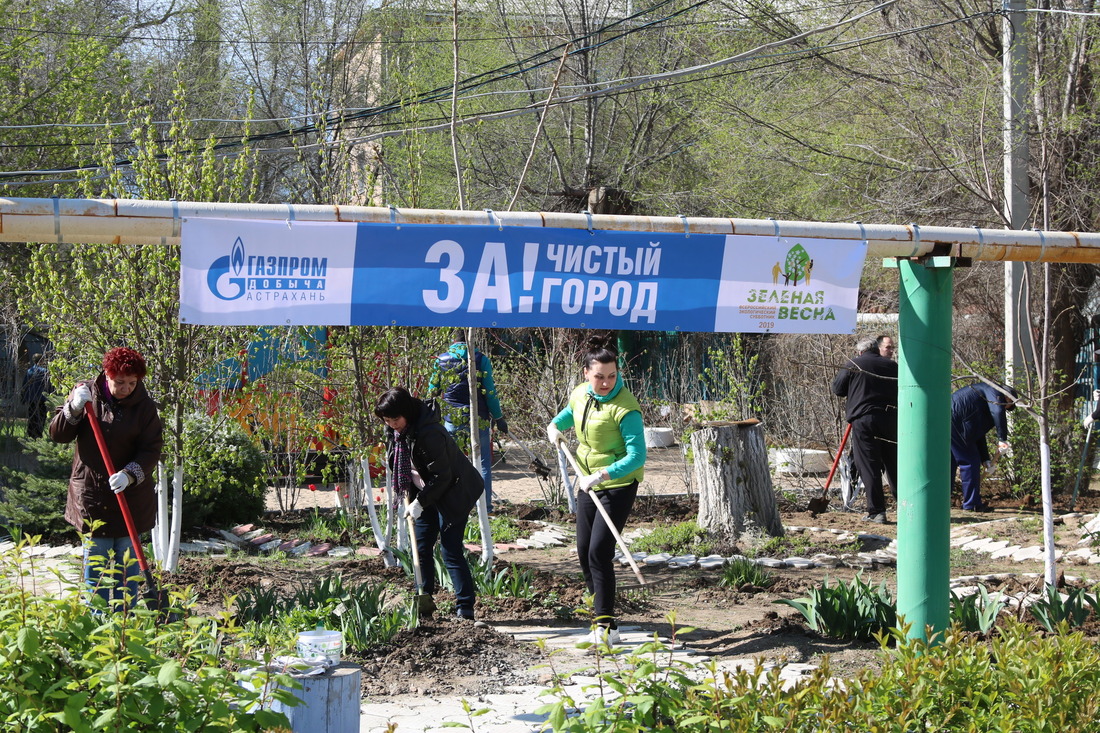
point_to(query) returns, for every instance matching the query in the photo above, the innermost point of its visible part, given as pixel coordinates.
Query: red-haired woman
(133, 432)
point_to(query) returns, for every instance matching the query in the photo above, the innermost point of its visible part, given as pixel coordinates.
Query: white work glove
(1004, 448)
(1087, 421)
(1096, 395)
(81, 396)
(554, 435)
(119, 481)
(585, 483)
(414, 510)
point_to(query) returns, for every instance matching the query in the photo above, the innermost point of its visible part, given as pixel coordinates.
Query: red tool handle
(123, 504)
(839, 453)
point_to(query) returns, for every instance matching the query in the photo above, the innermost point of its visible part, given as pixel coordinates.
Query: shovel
(425, 604)
(603, 513)
(155, 598)
(820, 504)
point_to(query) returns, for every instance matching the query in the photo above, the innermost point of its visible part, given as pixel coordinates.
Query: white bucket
(659, 437)
(321, 643)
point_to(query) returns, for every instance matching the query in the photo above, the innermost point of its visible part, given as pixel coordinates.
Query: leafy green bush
(224, 473)
(739, 573)
(64, 667)
(503, 529)
(1018, 682)
(1023, 466)
(847, 610)
(679, 539)
(34, 501)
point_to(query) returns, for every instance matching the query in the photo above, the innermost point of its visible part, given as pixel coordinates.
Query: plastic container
(321, 643)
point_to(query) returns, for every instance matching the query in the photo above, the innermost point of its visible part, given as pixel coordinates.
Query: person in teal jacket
(611, 452)
(450, 380)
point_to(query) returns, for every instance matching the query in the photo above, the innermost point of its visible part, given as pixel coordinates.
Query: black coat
(452, 485)
(870, 382)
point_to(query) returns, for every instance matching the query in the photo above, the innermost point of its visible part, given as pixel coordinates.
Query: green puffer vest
(601, 441)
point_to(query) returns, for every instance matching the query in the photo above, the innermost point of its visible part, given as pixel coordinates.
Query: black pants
(875, 449)
(596, 544)
(36, 418)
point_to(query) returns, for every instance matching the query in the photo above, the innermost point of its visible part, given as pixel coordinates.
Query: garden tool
(1081, 467)
(425, 604)
(536, 465)
(155, 598)
(820, 504)
(603, 513)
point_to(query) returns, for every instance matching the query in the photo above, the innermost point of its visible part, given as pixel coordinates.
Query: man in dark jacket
(870, 382)
(36, 385)
(441, 486)
(975, 410)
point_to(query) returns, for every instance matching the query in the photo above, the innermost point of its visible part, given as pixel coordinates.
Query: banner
(244, 272)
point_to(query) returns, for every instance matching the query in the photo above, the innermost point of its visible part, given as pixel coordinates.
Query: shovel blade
(425, 605)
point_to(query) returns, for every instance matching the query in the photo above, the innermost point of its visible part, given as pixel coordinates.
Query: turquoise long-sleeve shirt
(632, 428)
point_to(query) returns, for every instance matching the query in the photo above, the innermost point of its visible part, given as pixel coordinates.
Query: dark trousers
(431, 527)
(967, 456)
(36, 418)
(875, 449)
(596, 544)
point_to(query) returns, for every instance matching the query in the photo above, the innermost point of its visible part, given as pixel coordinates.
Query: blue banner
(274, 273)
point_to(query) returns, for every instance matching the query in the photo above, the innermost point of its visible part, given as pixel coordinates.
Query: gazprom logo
(267, 278)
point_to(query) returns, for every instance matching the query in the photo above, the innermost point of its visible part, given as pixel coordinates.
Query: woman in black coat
(442, 485)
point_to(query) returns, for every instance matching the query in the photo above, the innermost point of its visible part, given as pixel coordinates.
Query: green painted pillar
(924, 444)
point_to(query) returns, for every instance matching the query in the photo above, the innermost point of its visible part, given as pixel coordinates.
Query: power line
(662, 80)
(527, 64)
(234, 41)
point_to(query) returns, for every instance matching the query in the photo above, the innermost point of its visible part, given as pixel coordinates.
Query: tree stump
(735, 484)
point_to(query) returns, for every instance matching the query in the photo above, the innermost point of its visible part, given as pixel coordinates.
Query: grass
(967, 560)
(798, 545)
(679, 539)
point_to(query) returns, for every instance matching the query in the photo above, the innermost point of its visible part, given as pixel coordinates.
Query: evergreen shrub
(33, 501)
(223, 473)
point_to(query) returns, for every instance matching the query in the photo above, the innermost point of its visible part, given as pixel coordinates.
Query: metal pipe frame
(137, 222)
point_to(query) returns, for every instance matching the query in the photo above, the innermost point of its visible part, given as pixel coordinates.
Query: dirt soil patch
(448, 656)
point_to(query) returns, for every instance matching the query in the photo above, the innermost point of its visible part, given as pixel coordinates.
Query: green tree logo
(798, 264)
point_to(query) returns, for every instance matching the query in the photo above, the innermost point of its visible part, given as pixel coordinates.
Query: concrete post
(924, 444)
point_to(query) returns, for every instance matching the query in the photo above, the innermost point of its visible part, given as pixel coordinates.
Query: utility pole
(1017, 209)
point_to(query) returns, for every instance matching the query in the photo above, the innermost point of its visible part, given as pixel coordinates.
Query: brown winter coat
(134, 435)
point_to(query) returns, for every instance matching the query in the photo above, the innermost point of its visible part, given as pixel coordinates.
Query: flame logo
(237, 256)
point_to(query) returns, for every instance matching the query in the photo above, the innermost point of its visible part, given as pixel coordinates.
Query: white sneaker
(603, 638)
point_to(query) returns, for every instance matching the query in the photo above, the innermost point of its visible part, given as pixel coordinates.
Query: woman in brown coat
(133, 432)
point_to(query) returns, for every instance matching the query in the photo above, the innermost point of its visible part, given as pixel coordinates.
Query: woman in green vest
(611, 451)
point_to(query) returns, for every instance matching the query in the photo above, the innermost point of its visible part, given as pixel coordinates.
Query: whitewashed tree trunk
(735, 484)
(172, 559)
(160, 529)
